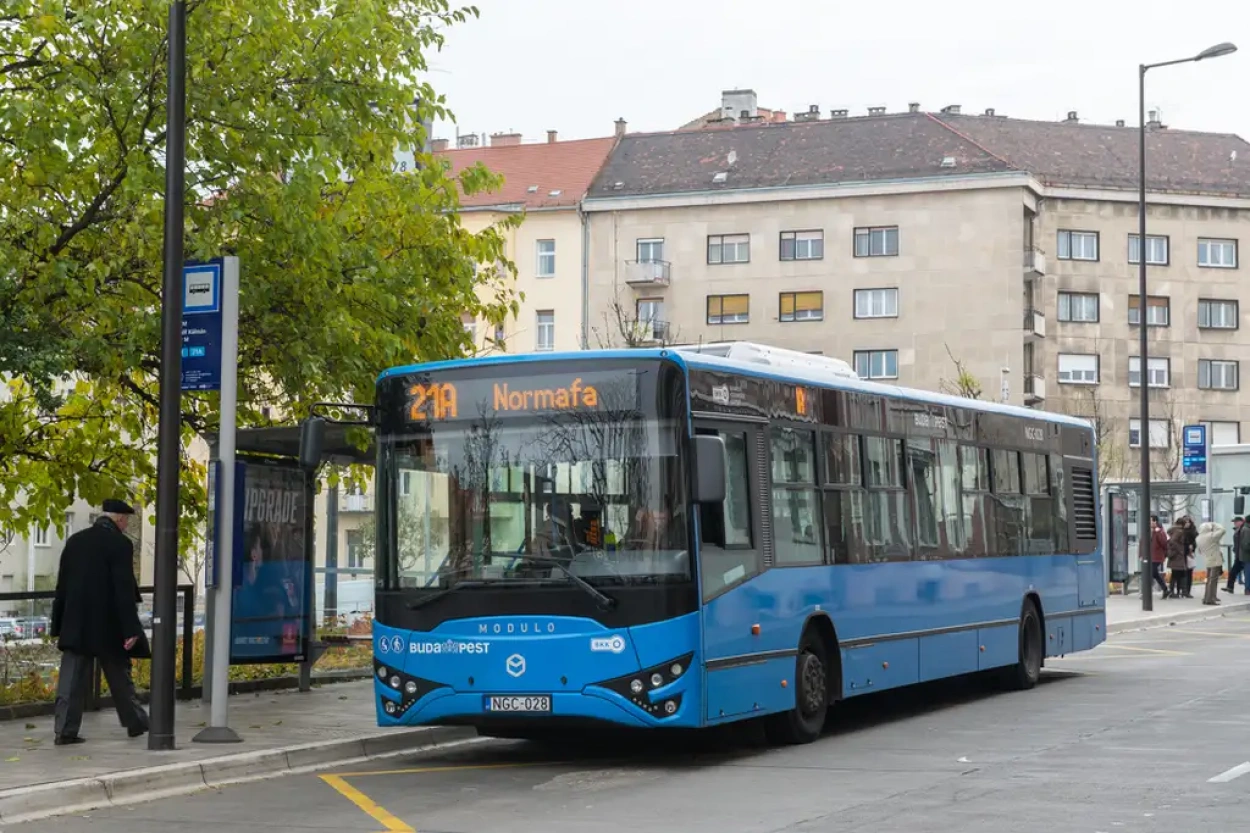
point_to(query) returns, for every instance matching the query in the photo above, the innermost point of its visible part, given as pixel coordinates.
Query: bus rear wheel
(805, 722)
(1028, 668)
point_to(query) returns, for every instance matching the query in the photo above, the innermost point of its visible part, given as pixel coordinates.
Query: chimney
(551, 137)
(1153, 121)
(621, 126)
(1071, 119)
(812, 114)
(439, 145)
(504, 140)
(951, 110)
(876, 111)
(989, 111)
(738, 105)
(913, 107)
(1119, 122)
(837, 114)
(466, 140)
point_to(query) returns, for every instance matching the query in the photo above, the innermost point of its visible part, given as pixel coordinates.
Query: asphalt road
(1123, 739)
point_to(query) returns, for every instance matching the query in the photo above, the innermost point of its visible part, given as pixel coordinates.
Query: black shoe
(138, 731)
(68, 740)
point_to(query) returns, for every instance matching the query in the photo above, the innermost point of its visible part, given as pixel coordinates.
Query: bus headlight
(634, 687)
(409, 688)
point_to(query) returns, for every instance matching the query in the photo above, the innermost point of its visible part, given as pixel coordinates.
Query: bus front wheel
(805, 722)
(1028, 668)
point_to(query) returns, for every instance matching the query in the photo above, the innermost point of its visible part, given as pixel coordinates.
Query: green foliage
(295, 111)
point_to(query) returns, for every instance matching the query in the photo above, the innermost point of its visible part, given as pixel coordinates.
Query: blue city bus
(688, 537)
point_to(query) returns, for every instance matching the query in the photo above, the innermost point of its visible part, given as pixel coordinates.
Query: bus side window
(1010, 516)
(727, 552)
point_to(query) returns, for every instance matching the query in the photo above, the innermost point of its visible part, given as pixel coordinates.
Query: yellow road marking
(454, 768)
(367, 805)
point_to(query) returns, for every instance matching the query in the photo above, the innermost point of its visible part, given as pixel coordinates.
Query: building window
(1224, 433)
(41, 536)
(355, 549)
(1158, 310)
(1156, 249)
(1078, 369)
(881, 241)
(1160, 436)
(1158, 372)
(546, 258)
(876, 303)
(728, 309)
(728, 248)
(1216, 374)
(1078, 307)
(546, 330)
(802, 245)
(500, 334)
(650, 249)
(1218, 315)
(405, 484)
(802, 306)
(69, 524)
(876, 364)
(650, 313)
(1217, 254)
(1078, 245)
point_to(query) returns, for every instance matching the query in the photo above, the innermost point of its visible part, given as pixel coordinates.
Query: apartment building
(544, 181)
(918, 244)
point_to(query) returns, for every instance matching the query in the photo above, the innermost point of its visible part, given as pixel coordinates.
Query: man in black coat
(94, 616)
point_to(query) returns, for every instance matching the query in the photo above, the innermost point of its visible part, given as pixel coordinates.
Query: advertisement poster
(268, 613)
(1119, 538)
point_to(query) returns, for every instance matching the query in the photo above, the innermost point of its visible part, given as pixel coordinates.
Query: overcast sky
(577, 65)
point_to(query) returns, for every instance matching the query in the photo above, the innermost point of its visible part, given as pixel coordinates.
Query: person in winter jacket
(1211, 556)
(1158, 553)
(1241, 554)
(1176, 551)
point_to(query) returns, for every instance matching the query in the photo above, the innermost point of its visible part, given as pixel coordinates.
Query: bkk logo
(449, 647)
(612, 644)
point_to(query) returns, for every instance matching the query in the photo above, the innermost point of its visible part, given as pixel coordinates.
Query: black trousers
(1234, 571)
(75, 681)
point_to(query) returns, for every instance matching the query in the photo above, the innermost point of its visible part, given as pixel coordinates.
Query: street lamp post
(1143, 435)
(169, 430)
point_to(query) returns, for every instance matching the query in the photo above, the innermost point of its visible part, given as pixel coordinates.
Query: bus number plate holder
(523, 703)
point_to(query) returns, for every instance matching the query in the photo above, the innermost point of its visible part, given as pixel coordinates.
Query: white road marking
(1230, 774)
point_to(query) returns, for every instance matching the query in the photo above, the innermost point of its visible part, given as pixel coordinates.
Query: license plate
(534, 703)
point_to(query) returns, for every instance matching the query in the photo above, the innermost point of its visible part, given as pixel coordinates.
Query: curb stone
(23, 804)
(1164, 619)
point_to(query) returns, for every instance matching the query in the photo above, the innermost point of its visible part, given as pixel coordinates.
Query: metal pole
(168, 440)
(218, 729)
(1144, 532)
(1210, 513)
(331, 601)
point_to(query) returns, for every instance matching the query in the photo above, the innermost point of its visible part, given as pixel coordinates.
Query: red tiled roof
(566, 167)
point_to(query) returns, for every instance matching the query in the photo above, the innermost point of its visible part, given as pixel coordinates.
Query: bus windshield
(532, 494)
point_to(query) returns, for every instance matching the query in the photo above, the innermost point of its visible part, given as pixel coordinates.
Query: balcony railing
(1034, 263)
(1034, 388)
(355, 503)
(648, 332)
(1034, 323)
(647, 272)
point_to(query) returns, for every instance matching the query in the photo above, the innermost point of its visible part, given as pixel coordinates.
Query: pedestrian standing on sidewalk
(1211, 553)
(1241, 553)
(1176, 559)
(95, 617)
(1191, 552)
(1158, 553)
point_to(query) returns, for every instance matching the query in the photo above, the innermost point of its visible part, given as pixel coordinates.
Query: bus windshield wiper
(434, 597)
(602, 599)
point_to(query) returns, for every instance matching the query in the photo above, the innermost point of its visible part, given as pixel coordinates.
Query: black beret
(117, 507)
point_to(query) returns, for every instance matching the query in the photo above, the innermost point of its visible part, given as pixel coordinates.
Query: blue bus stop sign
(1194, 452)
(201, 325)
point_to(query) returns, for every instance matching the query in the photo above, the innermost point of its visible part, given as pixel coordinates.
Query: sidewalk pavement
(1124, 613)
(288, 731)
(282, 732)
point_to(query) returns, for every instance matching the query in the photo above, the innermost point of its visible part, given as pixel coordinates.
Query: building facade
(945, 250)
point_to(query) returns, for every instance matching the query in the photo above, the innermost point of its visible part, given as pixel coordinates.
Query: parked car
(33, 627)
(9, 629)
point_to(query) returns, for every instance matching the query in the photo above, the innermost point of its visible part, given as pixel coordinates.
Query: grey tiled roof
(789, 154)
(919, 145)
(1094, 155)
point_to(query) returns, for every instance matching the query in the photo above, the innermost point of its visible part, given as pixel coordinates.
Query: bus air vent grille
(1083, 514)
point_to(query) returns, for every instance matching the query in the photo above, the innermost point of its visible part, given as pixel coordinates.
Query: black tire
(1028, 668)
(805, 722)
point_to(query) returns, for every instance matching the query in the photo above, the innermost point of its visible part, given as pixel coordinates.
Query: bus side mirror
(709, 469)
(312, 437)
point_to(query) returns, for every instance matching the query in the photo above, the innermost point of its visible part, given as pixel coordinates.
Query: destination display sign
(437, 400)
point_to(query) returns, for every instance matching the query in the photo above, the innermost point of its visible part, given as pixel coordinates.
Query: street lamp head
(1217, 51)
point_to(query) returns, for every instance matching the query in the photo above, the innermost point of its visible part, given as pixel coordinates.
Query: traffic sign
(1194, 451)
